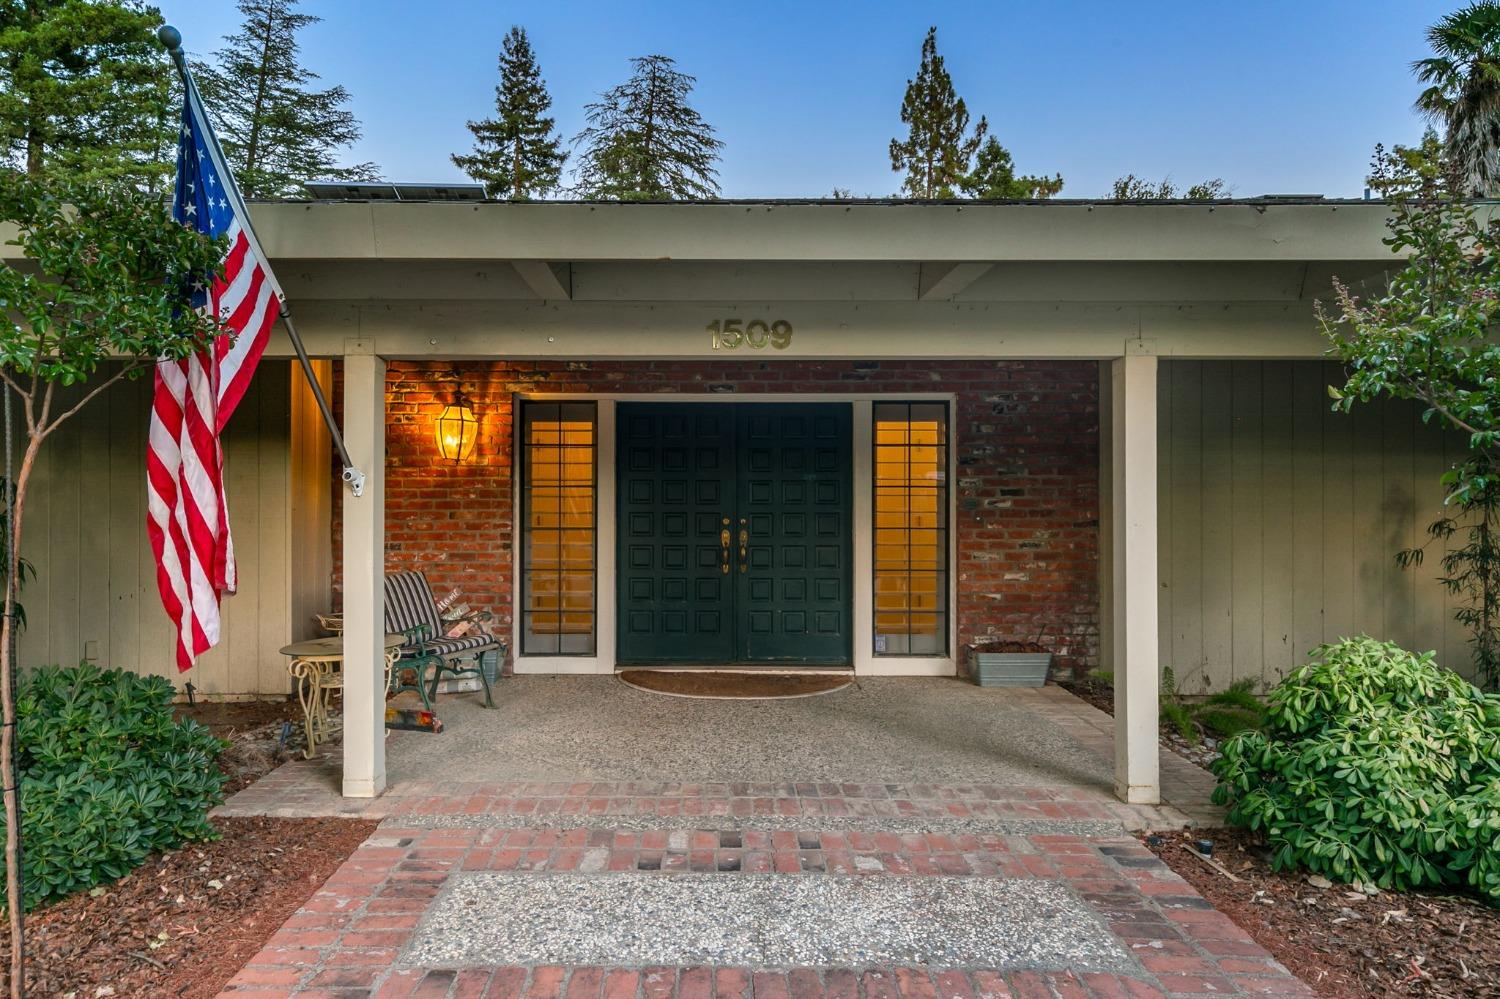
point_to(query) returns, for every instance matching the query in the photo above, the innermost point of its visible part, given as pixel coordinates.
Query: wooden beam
(1321, 288)
(364, 574)
(1133, 511)
(823, 330)
(550, 282)
(937, 282)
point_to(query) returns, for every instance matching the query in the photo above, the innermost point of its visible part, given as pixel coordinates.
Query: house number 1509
(732, 334)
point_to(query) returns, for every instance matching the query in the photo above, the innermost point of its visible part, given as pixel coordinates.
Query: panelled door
(735, 525)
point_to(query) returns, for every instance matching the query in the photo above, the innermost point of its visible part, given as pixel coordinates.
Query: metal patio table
(316, 667)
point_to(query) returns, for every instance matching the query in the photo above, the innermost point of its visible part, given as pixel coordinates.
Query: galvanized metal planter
(490, 662)
(1009, 669)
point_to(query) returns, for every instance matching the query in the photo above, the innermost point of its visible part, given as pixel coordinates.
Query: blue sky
(1275, 97)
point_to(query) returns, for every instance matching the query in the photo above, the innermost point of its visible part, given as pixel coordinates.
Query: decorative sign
(757, 334)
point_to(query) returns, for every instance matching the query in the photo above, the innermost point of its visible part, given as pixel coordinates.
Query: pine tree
(644, 141)
(938, 144)
(516, 154)
(85, 91)
(276, 132)
(994, 178)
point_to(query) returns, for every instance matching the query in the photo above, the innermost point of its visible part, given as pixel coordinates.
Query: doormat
(724, 683)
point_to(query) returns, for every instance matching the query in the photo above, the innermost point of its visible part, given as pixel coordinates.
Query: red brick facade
(1025, 441)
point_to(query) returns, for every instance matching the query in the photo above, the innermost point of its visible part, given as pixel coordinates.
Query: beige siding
(95, 594)
(1280, 520)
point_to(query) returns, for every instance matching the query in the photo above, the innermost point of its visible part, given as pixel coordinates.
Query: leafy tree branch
(108, 280)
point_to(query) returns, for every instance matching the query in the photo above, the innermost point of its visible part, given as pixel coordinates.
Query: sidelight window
(911, 528)
(559, 564)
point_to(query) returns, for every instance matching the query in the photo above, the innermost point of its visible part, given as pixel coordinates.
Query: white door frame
(606, 597)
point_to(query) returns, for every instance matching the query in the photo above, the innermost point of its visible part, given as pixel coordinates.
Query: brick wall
(1024, 439)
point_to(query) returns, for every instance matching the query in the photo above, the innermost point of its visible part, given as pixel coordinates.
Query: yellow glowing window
(911, 528)
(558, 581)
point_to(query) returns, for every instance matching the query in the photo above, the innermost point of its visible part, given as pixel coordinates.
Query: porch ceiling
(742, 254)
(439, 281)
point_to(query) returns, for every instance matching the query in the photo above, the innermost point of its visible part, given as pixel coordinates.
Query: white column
(1132, 535)
(364, 574)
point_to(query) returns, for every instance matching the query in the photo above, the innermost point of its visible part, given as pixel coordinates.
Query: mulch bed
(186, 921)
(261, 735)
(1098, 693)
(1343, 943)
(715, 683)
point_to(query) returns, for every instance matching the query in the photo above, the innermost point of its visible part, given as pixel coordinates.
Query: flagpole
(171, 38)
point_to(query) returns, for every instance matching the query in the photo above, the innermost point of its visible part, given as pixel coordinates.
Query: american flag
(187, 517)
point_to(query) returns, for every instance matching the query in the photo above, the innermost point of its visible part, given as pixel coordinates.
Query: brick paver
(349, 937)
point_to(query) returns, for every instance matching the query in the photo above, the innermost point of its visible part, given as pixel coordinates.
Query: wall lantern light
(457, 428)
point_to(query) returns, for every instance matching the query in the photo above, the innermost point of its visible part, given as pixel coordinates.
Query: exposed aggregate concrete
(877, 730)
(762, 921)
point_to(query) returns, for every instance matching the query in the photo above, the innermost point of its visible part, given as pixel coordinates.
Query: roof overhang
(828, 231)
(875, 280)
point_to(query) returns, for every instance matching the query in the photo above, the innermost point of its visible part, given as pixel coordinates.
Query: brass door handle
(724, 545)
(744, 543)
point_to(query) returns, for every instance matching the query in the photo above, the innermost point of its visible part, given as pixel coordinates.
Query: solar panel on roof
(332, 190)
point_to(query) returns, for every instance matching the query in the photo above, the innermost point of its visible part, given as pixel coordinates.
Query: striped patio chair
(411, 609)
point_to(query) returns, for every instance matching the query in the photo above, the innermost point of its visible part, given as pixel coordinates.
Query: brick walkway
(350, 937)
(1122, 923)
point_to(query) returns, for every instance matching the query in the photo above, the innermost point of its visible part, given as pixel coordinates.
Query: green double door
(735, 526)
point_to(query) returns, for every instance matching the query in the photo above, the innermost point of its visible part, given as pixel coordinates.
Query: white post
(1132, 399)
(364, 574)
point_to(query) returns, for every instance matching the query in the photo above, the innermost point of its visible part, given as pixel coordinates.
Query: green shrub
(1375, 765)
(1224, 722)
(1223, 714)
(1238, 695)
(108, 777)
(1180, 717)
(1232, 711)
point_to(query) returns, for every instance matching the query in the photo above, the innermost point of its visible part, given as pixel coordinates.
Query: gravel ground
(926, 731)
(761, 920)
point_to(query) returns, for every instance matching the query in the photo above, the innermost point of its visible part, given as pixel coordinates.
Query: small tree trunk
(648, 135)
(12, 792)
(34, 159)
(517, 190)
(257, 113)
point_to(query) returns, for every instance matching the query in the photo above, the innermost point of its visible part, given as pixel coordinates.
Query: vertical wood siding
(311, 510)
(1280, 520)
(85, 531)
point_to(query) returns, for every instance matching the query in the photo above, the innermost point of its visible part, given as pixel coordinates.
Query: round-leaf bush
(108, 777)
(1373, 764)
